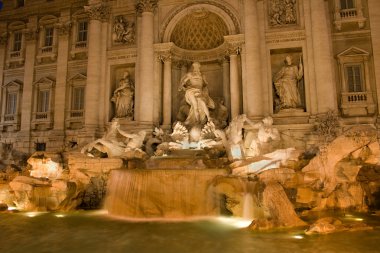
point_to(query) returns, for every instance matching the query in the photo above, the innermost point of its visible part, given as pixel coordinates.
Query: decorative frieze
(146, 6)
(124, 31)
(289, 36)
(99, 11)
(282, 12)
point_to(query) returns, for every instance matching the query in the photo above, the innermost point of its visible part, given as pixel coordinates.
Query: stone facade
(61, 61)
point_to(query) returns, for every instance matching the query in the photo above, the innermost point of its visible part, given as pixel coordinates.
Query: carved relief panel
(282, 12)
(123, 31)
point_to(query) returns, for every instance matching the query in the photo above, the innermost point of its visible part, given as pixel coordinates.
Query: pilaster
(31, 35)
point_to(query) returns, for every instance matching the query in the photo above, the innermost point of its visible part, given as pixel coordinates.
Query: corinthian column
(324, 78)
(146, 61)
(167, 90)
(63, 29)
(374, 10)
(97, 12)
(252, 90)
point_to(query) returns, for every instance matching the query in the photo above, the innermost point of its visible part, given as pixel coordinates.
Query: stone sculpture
(116, 142)
(123, 97)
(286, 84)
(196, 95)
(123, 31)
(283, 12)
(254, 143)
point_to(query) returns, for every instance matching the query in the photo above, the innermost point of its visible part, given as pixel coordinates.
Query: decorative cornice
(146, 6)
(100, 11)
(63, 28)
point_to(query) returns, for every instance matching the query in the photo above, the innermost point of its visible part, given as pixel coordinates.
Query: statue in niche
(283, 12)
(123, 97)
(196, 96)
(123, 31)
(286, 84)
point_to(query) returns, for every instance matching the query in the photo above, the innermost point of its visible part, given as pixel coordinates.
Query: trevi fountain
(212, 175)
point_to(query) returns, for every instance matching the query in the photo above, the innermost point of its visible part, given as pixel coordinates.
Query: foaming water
(98, 232)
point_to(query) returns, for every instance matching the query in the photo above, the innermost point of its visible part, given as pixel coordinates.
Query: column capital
(146, 6)
(3, 38)
(63, 28)
(99, 11)
(165, 56)
(30, 34)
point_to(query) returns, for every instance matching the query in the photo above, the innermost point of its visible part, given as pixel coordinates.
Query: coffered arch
(216, 12)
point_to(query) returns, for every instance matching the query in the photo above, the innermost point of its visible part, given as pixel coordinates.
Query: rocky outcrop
(329, 225)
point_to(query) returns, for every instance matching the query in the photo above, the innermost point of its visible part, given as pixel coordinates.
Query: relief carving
(282, 12)
(123, 31)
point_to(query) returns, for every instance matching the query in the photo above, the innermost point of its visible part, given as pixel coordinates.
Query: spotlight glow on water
(297, 236)
(59, 215)
(235, 222)
(12, 208)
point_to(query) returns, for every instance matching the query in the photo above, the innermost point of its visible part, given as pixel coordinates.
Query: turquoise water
(92, 232)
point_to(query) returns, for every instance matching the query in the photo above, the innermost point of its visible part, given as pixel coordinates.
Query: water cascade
(162, 193)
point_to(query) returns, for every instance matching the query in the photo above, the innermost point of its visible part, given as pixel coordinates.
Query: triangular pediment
(353, 51)
(45, 80)
(78, 77)
(14, 83)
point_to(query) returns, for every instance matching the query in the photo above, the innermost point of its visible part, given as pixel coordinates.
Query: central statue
(196, 95)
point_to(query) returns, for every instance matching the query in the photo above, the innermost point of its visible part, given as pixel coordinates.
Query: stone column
(157, 114)
(226, 83)
(374, 17)
(27, 95)
(63, 29)
(252, 89)
(234, 86)
(146, 61)
(97, 12)
(3, 45)
(167, 90)
(323, 57)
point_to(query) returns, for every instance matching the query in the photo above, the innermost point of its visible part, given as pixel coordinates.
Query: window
(49, 32)
(354, 78)
(43, 101)
(347, 4)
(40, 146)
(82, 31)
(11, 107)
(78, 98)
(20, 3)
(17, 40)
